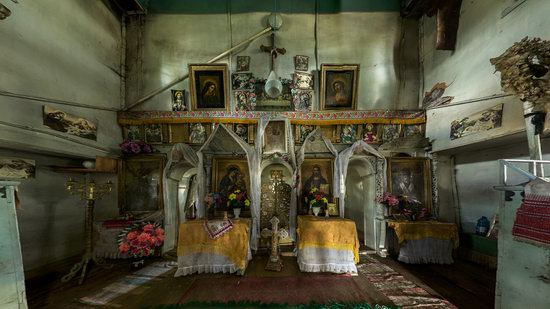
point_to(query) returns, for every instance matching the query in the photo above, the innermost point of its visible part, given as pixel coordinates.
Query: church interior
(280, 153)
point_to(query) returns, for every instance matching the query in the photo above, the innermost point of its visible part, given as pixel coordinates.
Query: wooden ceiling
(448, 15)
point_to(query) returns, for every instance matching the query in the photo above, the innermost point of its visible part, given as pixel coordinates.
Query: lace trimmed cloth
(216, 228)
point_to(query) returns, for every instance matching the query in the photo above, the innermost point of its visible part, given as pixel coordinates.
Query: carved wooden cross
(272, 50)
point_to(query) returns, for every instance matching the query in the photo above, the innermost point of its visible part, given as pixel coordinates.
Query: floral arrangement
(238, 199)
(136, 146)
(405, 205)
(141, 239)
(212, 199)
(316, 198)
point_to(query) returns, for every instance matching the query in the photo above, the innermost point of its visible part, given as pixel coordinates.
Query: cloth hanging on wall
(532, 222)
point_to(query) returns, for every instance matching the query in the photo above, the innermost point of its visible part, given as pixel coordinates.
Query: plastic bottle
(482, 226)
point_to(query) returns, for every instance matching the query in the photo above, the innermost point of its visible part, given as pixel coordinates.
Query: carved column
(435, 190)
(208, 171)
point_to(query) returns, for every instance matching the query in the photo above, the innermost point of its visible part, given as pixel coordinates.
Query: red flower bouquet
(141, 239)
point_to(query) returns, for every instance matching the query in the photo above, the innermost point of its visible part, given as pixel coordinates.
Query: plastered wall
(59, 50)
(385, 46)
(483, 33)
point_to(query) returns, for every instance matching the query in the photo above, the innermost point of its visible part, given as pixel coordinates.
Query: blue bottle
(482, 226)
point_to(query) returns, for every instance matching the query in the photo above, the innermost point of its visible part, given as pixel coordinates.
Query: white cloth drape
(179, 153)
(343, 160)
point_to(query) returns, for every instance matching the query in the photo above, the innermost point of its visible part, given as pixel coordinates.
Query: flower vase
(413, 217)
(236, 212)
(316, 210)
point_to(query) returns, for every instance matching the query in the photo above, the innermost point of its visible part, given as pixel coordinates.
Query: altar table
(327, 244)
(198, 253)
(424, 241)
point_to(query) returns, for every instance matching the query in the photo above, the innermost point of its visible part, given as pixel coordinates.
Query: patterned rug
(401, 291)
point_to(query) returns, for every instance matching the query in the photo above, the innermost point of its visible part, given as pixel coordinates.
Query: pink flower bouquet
(141, 239)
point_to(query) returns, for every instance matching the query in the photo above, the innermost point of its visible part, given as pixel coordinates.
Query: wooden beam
(447, 25)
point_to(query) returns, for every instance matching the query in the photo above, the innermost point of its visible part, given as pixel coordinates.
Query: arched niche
(360, 197)
(224, 142)
(181, 166)
(363, 179)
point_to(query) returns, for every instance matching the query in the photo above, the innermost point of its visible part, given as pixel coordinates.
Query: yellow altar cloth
(329, 233)
(414, 230)
(234, 244)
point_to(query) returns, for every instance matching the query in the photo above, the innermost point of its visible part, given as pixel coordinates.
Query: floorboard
(463, 284)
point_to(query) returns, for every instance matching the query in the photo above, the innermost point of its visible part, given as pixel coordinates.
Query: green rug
(247, 304)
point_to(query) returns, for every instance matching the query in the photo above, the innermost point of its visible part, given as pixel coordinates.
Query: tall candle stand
(90, 192)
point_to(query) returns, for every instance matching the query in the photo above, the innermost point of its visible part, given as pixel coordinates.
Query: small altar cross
(272, 50)
(275, 262)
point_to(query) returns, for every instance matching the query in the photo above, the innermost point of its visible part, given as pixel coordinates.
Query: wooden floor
(463, 284)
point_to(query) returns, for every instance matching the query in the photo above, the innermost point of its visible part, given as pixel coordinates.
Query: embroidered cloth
(233, 245)
(328, 233)
(532, 222)
(216, 228)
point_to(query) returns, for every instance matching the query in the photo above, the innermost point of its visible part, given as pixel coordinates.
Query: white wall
(385, 46)
(64, 51)
(60, 50)
(482, 35)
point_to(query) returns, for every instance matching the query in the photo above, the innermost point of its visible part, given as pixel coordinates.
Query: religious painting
(178, 101)
(243, 63)
(411, 177)
(476, 123)
(177, 133)
(132, 133)
(370, 133)
(316, 173)
(348, 133)
(140, 184)
(301, 63)
(153, 133)
(17, 168)
(391, 132)
(241, 130)
(197, 133)
(230, 174)
(242, 81)
(245, 100)
(338, 86)
(303, 80)
(413, 129)
(302, 100)
(302, 131)
(68, 123)
(251, 133)
(275, 137)
(329, 132)
(266, 103)
(208, 86)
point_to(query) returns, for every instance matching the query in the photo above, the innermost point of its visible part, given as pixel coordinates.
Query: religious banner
(479, 122)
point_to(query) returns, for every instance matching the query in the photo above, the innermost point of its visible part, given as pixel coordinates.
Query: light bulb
(273, 86)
